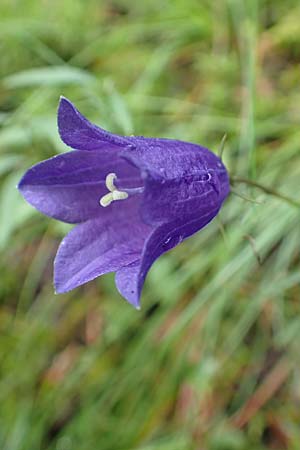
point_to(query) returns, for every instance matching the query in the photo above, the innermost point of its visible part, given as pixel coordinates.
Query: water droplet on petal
(206, 177)
(61, 164)
(172, 241)
(167, 240)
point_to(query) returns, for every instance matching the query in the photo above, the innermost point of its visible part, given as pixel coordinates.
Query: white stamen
(109, 181)
(114, 193)
(119, 195)
(106, 199)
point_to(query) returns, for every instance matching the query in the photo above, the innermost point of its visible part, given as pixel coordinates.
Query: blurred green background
(212, 359)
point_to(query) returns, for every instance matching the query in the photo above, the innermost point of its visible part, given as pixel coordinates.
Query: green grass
(212, 359)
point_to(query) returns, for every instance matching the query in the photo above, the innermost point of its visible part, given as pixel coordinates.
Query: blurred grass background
(212, 359)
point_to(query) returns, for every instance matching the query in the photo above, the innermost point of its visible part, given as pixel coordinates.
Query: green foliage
(212, 359)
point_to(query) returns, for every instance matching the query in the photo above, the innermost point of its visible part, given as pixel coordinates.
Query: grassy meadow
(212, 360)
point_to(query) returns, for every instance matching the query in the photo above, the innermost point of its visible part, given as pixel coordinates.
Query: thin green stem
(266, 189)
(244, 197)
(254, 249)
(222, 146)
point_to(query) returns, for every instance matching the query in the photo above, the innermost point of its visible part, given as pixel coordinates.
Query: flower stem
(266, 189)
(222, 146)
(244, 197)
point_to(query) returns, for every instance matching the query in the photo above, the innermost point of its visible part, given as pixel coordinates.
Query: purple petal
(130, 279)
(127, 282)
(77, 132)
(181, 179)
(100, 245)
(68, 187)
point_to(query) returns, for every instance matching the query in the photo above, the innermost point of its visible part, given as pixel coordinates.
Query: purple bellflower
(132, 199)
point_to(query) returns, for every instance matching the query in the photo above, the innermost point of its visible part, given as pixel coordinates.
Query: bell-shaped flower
(132, 199)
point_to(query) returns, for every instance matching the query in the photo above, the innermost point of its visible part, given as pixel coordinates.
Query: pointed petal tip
(19, 185)
(134, 303)
(57, 284)
(57, 291)
(60, 289)
(62, 100)
(133, 299)
(21, 182)
(64, 105)
(129, 283)
(23, 185)
(79, 133)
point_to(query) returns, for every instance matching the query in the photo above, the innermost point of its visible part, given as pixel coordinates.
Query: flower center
(115, 193)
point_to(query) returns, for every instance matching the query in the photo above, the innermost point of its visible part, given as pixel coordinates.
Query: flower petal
(181, 179)
(77, 132)
(101, 245)
(130, 279)
(127, 282)
(69, 186)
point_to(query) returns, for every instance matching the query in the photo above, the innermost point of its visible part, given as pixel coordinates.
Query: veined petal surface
(69, 186)
(181, 179)
(98, 246)
(79, 133)
(130, 279)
